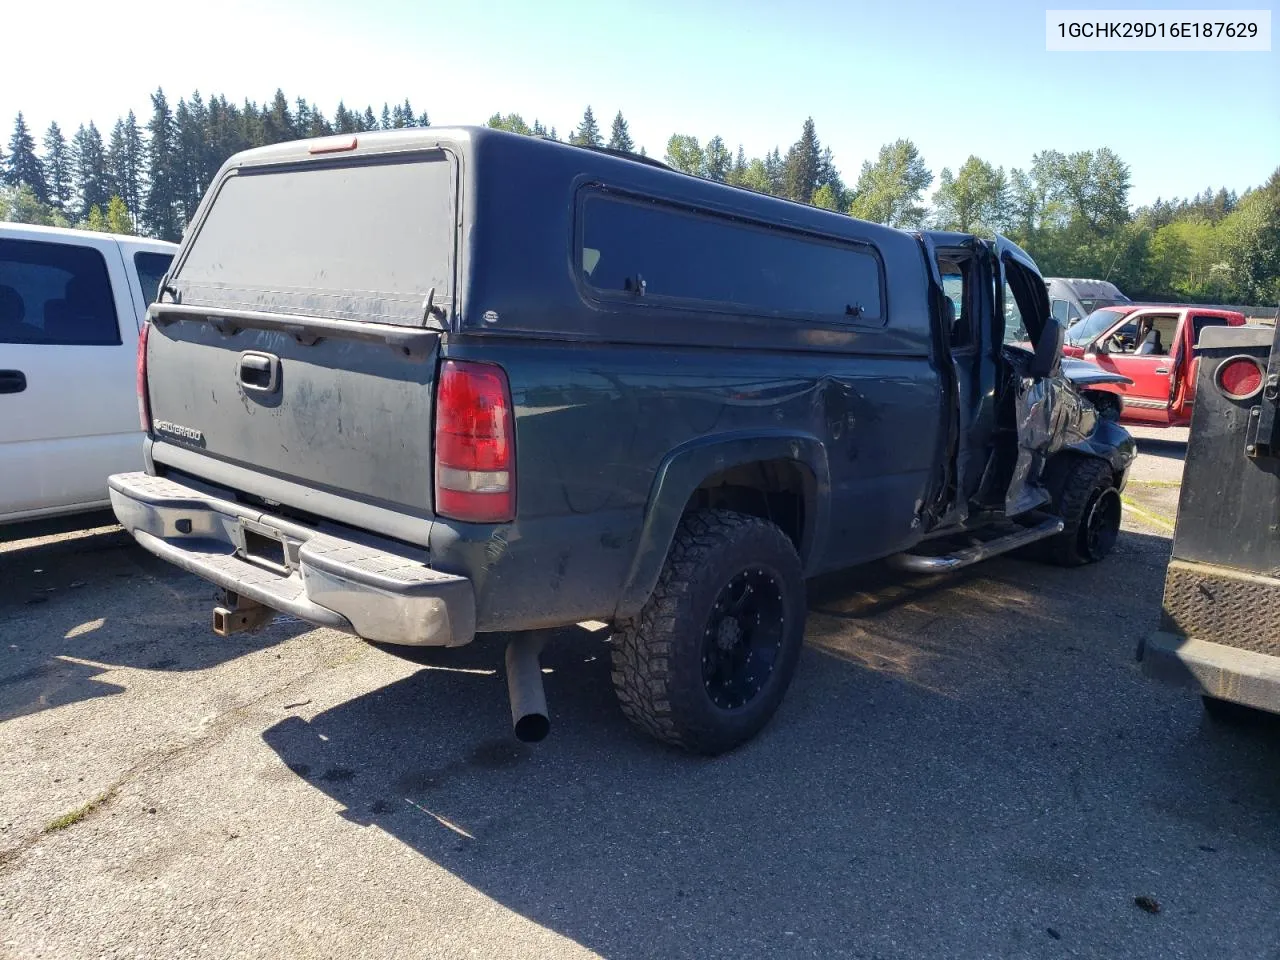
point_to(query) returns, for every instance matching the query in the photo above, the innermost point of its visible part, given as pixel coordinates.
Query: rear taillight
(475, 444)
(144, 404)
(1240, 378)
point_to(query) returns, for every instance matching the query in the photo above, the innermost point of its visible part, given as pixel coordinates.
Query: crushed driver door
(1049, 413)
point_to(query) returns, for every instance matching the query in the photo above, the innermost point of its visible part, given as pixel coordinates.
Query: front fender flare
(1111, 443)
(685, 467)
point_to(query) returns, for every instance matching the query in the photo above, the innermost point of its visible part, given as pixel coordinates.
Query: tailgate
(345, 416)
(303, 343)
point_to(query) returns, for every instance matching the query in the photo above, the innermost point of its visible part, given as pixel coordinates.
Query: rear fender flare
(687, 466)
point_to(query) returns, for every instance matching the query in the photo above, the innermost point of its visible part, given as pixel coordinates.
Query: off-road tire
(1078, 486)
(657, 658)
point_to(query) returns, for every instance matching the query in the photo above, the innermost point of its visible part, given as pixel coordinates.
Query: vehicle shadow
(929, 787)
(73, 607)
(1163, 448)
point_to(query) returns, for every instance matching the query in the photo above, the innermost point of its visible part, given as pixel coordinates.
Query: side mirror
(1048, 349)
(1101, 345)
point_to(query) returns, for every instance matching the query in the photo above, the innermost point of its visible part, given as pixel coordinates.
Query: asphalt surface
(964, 767)
(1155, 478)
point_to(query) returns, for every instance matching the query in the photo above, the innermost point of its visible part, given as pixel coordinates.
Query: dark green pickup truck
(427, 384)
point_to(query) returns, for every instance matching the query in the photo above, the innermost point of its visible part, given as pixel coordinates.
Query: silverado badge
(189, 434)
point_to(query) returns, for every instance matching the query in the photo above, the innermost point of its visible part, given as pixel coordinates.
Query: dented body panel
(1053, 418)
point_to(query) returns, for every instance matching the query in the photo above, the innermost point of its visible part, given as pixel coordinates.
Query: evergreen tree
(343, 120)
(277, 122)
(318, 125)
(803, 165)
(717, 161)
(96, 220)
(225, 134)
(588, 132)
(301, 119)
(252, 128)
(738, 172)
(774, 174)
(115, 160)
(619, 136)
(828, 175)
(386, 117)
(369, 121)
(23, 165)
(89, 170)
(160, 215)
(192, 163)
(57, 167)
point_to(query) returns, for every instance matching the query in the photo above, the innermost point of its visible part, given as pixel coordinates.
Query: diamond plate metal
(1224, 606)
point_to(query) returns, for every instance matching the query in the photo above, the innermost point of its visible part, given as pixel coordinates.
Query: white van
(71, 305)
(1073, 299)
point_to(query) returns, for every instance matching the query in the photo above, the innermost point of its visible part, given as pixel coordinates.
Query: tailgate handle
(259, 371)
(12, 381)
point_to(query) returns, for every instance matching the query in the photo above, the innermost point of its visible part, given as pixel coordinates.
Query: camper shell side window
(653, 253)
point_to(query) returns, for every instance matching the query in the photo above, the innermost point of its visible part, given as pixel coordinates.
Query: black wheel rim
(743, 638)
(1102, 525)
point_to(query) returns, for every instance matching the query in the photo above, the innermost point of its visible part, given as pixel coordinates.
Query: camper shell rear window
(366, 239)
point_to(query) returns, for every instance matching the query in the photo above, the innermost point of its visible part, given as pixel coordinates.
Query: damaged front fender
(1053, 417)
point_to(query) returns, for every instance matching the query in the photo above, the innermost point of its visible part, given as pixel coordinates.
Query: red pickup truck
(1154, 346)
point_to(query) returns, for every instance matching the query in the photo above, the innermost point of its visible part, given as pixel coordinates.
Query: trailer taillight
(1240, 378)
(475, 444)
(144, 403)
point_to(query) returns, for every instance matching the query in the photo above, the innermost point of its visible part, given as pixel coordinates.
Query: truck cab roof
(30, 231)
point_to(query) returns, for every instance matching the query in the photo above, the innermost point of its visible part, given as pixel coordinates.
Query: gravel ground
(966, 767)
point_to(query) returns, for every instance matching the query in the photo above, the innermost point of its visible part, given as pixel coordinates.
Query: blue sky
(955, 80)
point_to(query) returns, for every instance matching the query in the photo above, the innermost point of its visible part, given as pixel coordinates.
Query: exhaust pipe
(237, 615)
(529, 717)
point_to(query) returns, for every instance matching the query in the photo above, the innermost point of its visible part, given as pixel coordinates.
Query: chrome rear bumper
(375, 590)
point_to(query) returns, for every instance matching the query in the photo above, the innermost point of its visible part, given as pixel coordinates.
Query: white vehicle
(71, 305)
(1072, 299)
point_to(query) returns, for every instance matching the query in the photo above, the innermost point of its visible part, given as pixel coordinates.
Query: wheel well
(1102, 399)
(1060, 465)
(775, 490)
